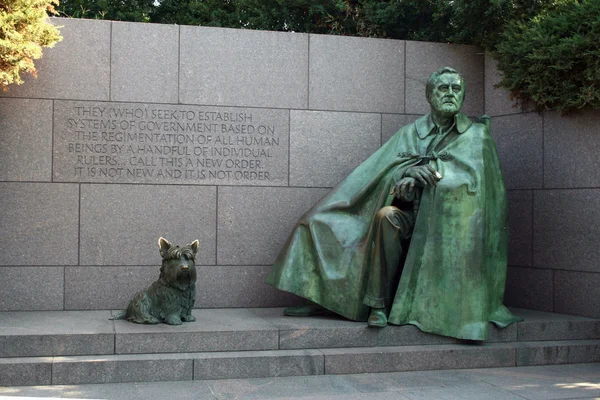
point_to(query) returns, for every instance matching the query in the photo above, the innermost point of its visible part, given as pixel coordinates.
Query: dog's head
(178, 267)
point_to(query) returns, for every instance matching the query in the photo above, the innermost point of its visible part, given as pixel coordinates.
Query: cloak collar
(425, 125)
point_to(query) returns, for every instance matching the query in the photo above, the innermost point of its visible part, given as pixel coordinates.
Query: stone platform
(81, 347)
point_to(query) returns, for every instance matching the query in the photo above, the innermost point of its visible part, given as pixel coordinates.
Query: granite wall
(552, 172)
(135, 131)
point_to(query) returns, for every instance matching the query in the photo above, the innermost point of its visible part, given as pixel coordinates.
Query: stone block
(25, 371)
(144, 62)
(267, 216)
(571, 146)
(566, 229)
(390, 123)
(316, 387)
(559, 352)
(318, 332)
(549, 326)
(356, 74)
(472, 392)
(519, 142)
(499, 335)
(174, 144)
(393, 382)
(40, 223)
(31, 288)
(577, 293)
(416, 358)
(121, 224)
(543, 382)
(25, 140)
(529, 288)
(422, 59)
(56, 333)
(213, 330)
(81, 370)
(239, 286)
(243, 67)
(497, 100)
(180, 390)
(103, 288)
(410, 335)
(326, 146)
(254, 364)
(78, 67)
(520, 227)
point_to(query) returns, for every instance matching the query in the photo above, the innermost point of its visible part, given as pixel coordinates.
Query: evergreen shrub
(24, 30)
(554, 58)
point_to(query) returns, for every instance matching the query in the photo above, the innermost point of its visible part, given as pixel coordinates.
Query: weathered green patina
(171, 297)
(453, 277)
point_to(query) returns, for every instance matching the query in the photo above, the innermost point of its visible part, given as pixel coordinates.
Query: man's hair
(433, 78)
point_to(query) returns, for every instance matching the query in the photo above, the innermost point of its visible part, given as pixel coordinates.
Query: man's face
(448, 94)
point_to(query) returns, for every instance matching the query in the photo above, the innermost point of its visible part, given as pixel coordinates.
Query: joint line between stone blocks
(216, 225)
(308, 74)
(110, 63)
(380, 130)
(553, 290)
(179, 65)
(533, 228)
(52, 371)
(79, 226)
(289, 146)
(404, 105)
(52, 147)
(543, 151)
(483, 82)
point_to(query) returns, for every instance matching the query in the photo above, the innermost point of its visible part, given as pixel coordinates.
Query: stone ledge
(223, 330)
(252, 364)
(81, 333)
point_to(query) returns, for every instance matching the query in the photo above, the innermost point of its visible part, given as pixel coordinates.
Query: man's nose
(185, 266)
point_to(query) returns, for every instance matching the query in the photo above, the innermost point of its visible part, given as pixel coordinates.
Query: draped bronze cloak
(453, 278)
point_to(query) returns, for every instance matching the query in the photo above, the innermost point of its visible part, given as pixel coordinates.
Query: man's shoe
(377, 318)
(304, 311)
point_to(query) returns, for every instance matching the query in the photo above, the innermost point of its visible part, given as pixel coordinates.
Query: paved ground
(576, 381)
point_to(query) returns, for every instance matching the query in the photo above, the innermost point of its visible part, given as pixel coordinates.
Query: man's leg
(392, 226)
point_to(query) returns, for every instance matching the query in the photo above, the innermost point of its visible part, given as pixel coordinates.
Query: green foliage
(197, 12)
(410, 19)
(554, 58)
(117, 10)
(320, 16)
(24, 30)
(482, 22)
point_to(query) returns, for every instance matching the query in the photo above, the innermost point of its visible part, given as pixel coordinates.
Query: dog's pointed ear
(163, 246)
(194, 246)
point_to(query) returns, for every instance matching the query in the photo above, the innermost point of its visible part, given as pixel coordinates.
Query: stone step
(73, 333)
(276, 363)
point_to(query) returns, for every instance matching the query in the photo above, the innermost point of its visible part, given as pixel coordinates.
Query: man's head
(445, 91)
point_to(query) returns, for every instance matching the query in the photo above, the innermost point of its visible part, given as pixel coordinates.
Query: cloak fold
(453, 278)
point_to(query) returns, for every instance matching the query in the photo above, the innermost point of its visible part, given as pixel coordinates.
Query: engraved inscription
(126, 142)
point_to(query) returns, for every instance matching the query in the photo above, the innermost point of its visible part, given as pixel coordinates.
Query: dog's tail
(119, 315)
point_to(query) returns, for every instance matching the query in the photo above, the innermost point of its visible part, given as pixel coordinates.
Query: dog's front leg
(173, 319)
(188, 299)
(188, 317)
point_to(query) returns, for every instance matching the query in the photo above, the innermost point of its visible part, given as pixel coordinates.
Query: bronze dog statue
(169, 299)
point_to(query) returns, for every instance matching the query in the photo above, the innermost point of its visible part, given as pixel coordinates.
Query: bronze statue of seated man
(417, 234)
